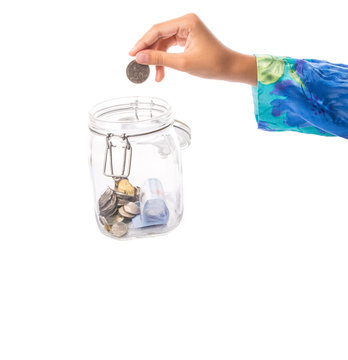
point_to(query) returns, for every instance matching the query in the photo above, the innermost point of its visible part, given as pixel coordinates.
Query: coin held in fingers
(137, 73)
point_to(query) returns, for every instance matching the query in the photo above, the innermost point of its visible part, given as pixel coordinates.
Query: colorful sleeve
(309, 96)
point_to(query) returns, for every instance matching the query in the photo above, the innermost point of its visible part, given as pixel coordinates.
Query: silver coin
(124, 213)
(121, 202)
(110, 207)
(119, 229)
(132, 208)
(121, 195)
(105, 222)
(119, 218)
(105, 197)
(111, 214)
(110, 219)
(137, 73)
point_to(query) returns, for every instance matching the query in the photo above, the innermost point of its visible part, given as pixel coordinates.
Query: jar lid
(131, 116)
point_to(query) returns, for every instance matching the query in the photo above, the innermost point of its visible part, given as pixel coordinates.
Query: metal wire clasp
(109, 158)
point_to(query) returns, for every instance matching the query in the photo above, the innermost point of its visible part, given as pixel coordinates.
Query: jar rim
(130, 115)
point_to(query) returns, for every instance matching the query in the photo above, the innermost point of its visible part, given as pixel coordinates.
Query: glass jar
(135, 162)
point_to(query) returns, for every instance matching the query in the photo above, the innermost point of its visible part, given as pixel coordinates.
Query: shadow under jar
(135, 162)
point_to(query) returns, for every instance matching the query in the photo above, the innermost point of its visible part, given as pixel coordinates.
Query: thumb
(160, 58)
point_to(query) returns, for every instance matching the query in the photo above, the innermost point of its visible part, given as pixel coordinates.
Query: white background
(258, 267)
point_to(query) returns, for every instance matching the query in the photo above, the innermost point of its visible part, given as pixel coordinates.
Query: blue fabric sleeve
(304, 95)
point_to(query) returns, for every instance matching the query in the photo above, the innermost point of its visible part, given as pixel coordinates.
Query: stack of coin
(117, 207)
(129, 210)
(107, 204)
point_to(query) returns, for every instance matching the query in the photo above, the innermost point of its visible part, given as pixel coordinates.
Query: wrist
(241, 68)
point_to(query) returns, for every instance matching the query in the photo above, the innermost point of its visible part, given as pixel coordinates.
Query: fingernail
(142, 58)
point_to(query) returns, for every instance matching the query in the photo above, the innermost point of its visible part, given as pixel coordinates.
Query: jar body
(139, 168)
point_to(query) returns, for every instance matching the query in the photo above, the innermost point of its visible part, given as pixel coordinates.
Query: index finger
(158, 31)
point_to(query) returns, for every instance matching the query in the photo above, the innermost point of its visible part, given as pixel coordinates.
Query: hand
(204, 55)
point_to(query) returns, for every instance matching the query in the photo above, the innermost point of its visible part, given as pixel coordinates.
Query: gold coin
(125, 187)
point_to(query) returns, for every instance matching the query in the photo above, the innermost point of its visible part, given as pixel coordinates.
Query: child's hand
(204, 55)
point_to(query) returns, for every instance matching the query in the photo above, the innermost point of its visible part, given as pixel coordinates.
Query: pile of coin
(118, 206)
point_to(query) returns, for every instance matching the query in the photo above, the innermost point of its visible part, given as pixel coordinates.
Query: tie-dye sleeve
(309, 96)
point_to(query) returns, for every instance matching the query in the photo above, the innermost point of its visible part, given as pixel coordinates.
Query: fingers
(151, 48)
(164, 45)
(161, 58)
(159, 73)
(162, 31)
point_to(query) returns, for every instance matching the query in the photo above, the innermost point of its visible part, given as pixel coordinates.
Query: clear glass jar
(135, 161)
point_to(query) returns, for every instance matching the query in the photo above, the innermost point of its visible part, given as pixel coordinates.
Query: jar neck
(130, 116)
